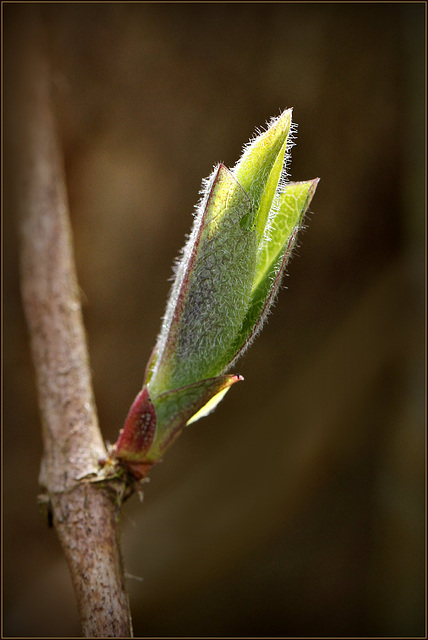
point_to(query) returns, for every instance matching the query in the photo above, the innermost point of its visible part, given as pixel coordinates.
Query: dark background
(297, 508)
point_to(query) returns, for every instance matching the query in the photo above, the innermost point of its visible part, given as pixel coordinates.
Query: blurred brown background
(297, 509)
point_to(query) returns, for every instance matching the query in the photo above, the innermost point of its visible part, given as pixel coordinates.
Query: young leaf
(261, 165)
(273, 256)
(292, 206)
(212, 289)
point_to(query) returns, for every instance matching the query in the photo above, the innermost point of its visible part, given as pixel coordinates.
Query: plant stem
(84, 514)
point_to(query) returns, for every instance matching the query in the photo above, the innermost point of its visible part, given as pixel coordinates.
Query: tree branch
(84, 513)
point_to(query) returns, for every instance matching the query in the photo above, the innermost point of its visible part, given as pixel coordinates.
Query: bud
(225, 281)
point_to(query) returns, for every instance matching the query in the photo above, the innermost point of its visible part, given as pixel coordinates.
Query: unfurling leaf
(228, 275)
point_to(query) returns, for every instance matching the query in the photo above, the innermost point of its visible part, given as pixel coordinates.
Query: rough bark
(83, 513)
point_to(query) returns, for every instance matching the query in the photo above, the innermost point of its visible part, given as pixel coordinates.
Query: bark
(83, 513)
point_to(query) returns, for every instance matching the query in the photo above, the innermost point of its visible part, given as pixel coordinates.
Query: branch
(84, 514)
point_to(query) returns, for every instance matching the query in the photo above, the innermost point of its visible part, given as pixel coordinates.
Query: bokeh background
(298, 507)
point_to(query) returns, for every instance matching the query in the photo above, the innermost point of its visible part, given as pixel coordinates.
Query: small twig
(83, 513)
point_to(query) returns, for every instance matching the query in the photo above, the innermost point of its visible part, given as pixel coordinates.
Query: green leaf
(273, 256)
(211, 295)
(290, 209)
(259, 169)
